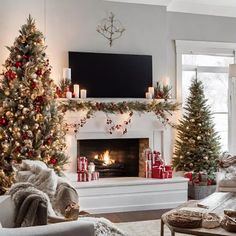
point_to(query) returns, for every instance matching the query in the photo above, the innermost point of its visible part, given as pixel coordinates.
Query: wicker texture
(184, 219)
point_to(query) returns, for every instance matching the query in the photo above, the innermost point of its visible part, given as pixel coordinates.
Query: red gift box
(84, 176)
(157, 172)
(95, 175)
(189, 175)
(82, 164)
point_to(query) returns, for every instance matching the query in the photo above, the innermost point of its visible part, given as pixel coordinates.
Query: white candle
(76, 90)
(151, 90)
(67, 73)
(68, 94)
(148, 95)
(166, 81)
(83, 93)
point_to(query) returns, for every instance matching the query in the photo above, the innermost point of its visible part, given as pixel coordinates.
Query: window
(209, 62)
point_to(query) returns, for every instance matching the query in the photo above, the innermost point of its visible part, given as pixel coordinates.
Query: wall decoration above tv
(111, 75)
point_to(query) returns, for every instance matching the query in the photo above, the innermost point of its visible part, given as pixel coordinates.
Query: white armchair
(72, 228)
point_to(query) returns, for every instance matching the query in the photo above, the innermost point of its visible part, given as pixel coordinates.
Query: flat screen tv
(111, 75)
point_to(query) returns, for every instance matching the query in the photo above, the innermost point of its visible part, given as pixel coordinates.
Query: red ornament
(3, 121)
(26, 57)
(38, 72)
(39, 100)
(33, 85)
(10, 74)
(18, 64)
(53, 161)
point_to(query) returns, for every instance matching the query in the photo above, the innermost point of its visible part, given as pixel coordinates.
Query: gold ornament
(7, 92)
(25, 127)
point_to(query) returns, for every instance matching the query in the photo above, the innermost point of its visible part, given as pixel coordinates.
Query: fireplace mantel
(145, 125)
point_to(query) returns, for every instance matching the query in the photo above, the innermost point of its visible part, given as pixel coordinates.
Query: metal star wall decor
(110, 28)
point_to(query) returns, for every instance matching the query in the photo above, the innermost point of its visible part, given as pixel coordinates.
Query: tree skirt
(143, 228)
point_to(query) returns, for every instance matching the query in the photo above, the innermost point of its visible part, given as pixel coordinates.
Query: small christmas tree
(30, 125)
(197, 147)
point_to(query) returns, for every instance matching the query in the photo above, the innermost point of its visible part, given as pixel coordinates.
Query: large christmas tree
(197, 147)
(30, 125)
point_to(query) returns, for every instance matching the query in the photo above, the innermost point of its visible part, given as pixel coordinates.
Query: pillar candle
(83, 93)
(76, 90)
(151, 90)
(67, 73)
(148, 95)
(68, 94)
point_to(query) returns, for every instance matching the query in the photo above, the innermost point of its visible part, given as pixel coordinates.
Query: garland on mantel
(162, 110)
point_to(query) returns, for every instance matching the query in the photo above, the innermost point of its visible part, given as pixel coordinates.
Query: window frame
(214, 49)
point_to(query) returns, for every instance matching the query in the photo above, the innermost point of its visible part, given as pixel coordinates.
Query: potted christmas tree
(197, 146)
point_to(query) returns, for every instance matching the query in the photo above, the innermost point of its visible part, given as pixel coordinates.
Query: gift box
(95, 175)
(157, 172)
(84, 176)
(188, 175)
(82, 164)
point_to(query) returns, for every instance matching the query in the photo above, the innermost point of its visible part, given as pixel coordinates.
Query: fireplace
(115, 157)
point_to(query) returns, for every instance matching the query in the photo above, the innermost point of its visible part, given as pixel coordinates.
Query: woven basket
(228, 224)
(199, 192)
(184, 221)
(210, 221)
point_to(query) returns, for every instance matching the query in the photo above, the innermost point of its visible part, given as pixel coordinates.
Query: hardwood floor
(132, 216)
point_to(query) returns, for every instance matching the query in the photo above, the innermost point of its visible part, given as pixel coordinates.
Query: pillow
(45, 181)
(34, 166)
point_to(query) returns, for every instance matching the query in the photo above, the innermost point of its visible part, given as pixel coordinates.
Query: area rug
(144, 228)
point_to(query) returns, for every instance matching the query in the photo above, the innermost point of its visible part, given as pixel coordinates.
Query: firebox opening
(114, 157)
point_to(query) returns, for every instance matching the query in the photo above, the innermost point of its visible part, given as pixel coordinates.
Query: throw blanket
(31, 205)
(104, 227)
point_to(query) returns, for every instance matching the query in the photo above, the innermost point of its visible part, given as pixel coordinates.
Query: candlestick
(148, 95)
(166, 81)
(68, 94)
(83, 93)
(76, 90)
(151, 90)
(67, 73)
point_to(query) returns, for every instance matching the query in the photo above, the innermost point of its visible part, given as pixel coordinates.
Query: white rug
(144, 228)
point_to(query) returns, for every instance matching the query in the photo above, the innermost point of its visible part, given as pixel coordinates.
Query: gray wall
(71, 25)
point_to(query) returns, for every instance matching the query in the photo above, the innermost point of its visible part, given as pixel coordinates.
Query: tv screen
(111, 75)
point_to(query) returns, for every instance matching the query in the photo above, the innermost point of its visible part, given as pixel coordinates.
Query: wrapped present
(95, 175)
(82, 164)
(84, 176)
(157, 172)
(188, 175)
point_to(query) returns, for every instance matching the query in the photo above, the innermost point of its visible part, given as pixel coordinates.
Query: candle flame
(96, 157)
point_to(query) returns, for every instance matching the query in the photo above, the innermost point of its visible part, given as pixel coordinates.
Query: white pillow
(33, 166)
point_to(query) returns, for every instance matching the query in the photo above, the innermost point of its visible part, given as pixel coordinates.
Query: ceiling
(207, 7)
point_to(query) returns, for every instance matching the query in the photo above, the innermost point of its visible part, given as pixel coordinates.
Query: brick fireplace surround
(125, 193)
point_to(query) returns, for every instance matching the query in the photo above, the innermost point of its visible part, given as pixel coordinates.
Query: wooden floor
(133, 216)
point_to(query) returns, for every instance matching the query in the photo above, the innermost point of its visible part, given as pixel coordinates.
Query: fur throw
(31, 205)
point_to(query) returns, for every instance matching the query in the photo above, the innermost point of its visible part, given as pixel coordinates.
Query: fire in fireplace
(114, 157)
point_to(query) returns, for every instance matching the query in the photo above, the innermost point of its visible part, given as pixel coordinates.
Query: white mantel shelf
(130, 193)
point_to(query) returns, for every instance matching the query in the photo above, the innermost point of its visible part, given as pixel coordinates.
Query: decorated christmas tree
(197, 147)
(30, 125)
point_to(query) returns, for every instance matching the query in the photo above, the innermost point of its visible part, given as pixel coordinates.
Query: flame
(105, 157)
